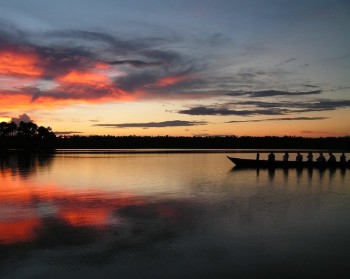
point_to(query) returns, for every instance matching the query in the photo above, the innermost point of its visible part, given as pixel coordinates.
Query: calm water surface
(169, 215)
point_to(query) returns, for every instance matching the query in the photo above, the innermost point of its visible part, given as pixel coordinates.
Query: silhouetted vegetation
(214, 142)
(26, 135)
(31, 136)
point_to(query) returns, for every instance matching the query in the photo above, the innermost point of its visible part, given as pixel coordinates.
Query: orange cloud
(22, 87)
(84, 78)
(102, 66)
(170, 80)
(63, 95)
(90, 87)
(14, 63)
(22, 101)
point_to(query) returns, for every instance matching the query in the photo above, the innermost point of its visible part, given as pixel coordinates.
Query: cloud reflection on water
(59, 219)
(35, 217)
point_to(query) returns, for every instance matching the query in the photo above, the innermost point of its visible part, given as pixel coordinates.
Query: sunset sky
(189, 68)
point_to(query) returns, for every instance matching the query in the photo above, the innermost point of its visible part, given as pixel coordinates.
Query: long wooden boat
(253, 163)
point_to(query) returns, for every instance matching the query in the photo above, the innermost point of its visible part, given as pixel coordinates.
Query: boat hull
(251, 163)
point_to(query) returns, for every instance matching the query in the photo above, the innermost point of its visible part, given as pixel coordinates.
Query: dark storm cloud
(135, 81)
(58, 61)
(313, 105)
(153, 70)
(220, 111)
(310, 85)
(168, 56)
(340, 88)
(172, 123)
(137, 63)
(273, 93)
(280, 119)
(55, 60)
(35, 93)
(170, 64)
(182, 73)
(70, 92)
(267, 108)
(75, 92)
(261, 104)
(249, 74)
(257, 75)
(117, 46)
(189, 87)
(9, 34)
(149, 64)
(143, 53)
(328, 104)
(120, 46)
(69, 49)
(172, 73)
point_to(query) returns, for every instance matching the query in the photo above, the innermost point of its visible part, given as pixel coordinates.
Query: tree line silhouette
(207, 142)
(25, 135)
(28, 135)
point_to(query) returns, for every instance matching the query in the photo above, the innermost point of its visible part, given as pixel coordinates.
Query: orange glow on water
(85, 216)
(24, 205)
(18, 230)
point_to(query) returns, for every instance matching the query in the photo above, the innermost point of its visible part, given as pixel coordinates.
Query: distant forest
(26, 135)
(31, 136)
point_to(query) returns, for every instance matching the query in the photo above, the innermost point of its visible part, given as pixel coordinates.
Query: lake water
(99, 214)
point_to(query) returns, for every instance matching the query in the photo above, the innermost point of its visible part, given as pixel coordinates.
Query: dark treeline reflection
(24, 163)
